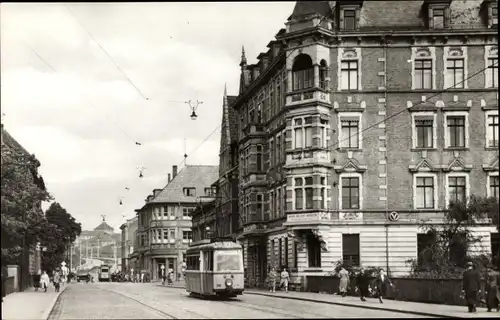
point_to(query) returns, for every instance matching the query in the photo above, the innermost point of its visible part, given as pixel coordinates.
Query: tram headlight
(229, 283)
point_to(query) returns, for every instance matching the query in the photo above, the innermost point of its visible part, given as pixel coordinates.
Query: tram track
(170, 316)
(252, 306)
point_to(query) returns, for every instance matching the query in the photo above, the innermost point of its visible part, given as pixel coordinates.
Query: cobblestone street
(146, 301)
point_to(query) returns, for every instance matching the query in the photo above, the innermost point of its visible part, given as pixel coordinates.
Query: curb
(344, 304)
(51, 305)
(428, 314)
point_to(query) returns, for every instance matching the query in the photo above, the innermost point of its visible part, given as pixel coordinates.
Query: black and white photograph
(249, 160)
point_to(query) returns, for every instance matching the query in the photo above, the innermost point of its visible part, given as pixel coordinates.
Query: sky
(83, 82)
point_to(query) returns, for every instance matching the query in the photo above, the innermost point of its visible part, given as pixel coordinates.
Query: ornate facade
(360, 120)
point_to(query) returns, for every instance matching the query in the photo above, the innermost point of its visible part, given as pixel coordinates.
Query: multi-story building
(164, 222)
(221, 215)
(129, 232)
(362, 119)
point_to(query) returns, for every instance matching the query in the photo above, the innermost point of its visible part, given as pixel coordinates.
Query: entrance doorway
(159, 263)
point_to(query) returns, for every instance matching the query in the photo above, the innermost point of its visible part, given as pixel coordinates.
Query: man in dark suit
(363, 283)
(381, 283)
(471, 286)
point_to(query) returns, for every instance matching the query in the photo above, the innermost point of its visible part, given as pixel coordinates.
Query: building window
(187, 235)
(186, 211)
(438, 18)
(456, 131)
(423, 74)
(259, 159)
(425, 189)
(349, 74)
(323, 75)
(189, 192)
(302, 72)
(280, 253)
(494, 15)
(455, 73)
(324, 127)
(286, 253)
(424, 133)
(302, 129)
(350, 133)
(172, 235)
(495, 247)
(494, 186)
(165, 211)
(492, 130)
(260, 207)
(299, 198)
(350, 249)
(456, 188)
(350, 192)
(492, 64)
(424, 244)
(295, 254)
(313, 251)
(309, 192)
(349, 20)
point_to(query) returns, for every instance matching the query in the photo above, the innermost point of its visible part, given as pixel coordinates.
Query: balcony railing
(308, 95)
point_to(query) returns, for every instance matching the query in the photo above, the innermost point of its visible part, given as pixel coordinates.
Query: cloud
(83, 119)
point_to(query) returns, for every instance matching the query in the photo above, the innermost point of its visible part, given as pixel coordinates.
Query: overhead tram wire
(199, 145)
(106, 52)
(84, 96)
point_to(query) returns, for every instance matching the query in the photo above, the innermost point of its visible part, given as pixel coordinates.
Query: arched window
(303, 72)
(323, 74)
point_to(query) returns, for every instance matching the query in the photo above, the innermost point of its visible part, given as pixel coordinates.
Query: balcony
(307, 95)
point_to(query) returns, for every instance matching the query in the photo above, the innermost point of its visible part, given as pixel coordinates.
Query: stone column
(316, 75)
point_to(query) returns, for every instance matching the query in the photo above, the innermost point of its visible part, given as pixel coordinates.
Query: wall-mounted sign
(394, 216)
(351, 216)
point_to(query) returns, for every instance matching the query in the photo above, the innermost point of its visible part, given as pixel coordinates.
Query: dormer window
(349, 20)
(438, 18)
(189, 192)
(211, 192)
(437, 13)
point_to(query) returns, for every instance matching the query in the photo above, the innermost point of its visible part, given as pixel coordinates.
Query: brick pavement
(423, 309)
(30, 304)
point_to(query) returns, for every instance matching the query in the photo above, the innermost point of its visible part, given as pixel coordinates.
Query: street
(153, 301)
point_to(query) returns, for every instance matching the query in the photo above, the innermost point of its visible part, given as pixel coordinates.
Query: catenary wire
(106, 52)
(92, 104)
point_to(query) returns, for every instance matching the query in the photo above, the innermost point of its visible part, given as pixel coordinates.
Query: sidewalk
(423, 309)
(29, 304)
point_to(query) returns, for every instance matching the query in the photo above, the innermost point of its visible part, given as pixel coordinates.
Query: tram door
(208, 267)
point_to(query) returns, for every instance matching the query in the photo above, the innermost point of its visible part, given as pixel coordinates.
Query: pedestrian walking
(381, 283)
(163, 277)
(471, 286)
(44, 281)
(285, 278)
(344, 281)
(36, 279)
(272, 280)
(57, 281)
(492, 289)
(170, 277)
(362, 284)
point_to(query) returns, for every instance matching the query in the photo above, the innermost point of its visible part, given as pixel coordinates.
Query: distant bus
(104, 273)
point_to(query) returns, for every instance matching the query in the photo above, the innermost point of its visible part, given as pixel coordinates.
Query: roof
(103, 226)
(191, 176)
(8, 140)
(304, 8)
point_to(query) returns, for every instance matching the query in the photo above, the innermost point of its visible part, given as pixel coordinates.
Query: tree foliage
(56, 235)
(446, 245)
(22, 192)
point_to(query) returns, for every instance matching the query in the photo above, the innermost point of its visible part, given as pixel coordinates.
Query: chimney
(174, 171)
(169, 176)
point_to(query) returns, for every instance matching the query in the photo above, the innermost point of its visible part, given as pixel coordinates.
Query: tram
(215, 268)
(104, 273)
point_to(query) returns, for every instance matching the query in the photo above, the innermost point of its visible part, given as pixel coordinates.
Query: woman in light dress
(344, 281)
(44, 281)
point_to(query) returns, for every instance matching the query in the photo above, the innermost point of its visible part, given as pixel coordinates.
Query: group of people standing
(272, 278)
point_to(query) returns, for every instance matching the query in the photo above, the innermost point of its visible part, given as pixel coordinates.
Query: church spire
(243, 62)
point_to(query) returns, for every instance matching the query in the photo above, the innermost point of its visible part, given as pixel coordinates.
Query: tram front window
(228, 261)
